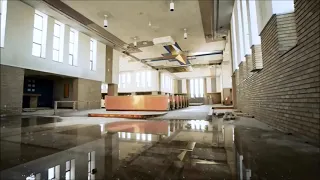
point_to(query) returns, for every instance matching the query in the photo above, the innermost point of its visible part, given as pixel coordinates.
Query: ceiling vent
(163, 41)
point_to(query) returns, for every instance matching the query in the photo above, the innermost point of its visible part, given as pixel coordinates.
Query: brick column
(12, 79)
(112, 89)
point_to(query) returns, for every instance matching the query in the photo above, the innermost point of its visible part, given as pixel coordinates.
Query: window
(138, 79)
(128, 78)
(54, 173)
(39, 34)
(91, 164)
(245, 27)
(34, 177)
(58, 39)
(149, 78)
(73, 47)
(123, 80)
(3, 14)
(196, 87)
(93, 54)
(143, 79)
(70, 169)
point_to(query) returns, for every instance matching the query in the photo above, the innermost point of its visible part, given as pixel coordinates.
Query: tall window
(143, 79)
(54, 173)
(39, 34)
(128, 78)
(73, 47)
(138, 79)
(91, 164)
(196, 87)
(3, 18)
(58, 39)
(245, 26)
(149, 78)
(70, 169)
(123, 80)
(93, 54)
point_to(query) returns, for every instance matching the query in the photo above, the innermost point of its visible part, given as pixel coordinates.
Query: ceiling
(146, 20)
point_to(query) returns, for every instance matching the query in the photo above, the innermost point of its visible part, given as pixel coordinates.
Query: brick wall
(286, 92)
(11, 90)
(87, 90)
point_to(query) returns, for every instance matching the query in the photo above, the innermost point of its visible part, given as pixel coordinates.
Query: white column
(254, 37)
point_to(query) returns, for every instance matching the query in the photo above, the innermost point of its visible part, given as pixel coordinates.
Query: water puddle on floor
(173, 149)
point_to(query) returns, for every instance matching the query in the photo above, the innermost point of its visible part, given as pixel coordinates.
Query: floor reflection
(175, 149)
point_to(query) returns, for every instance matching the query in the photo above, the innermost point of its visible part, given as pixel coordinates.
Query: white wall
(17, 49)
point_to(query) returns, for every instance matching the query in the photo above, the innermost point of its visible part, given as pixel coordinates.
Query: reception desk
(137, 103)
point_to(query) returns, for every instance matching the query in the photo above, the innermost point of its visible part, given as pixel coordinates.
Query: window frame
(3, 14)
(43, 30)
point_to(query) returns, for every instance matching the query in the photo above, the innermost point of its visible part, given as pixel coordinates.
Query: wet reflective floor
(43, 148)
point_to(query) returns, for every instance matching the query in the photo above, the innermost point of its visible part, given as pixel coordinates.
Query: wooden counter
(137, 103)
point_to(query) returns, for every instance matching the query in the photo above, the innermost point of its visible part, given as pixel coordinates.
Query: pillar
(112, 70)
(12, 79)
(112, 89)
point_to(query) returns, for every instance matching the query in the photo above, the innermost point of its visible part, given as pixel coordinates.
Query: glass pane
(70, 59)
(55, 55)
(91, 65)
(36, 49)
(201, 87)
(91, 45)
(143, 79)
(71, 37)
(196, 87)
(56, 30)
(67, 165)
(37, 36)
(71, 48)
(192, 87)
(89, 167)
(149, 137)
(68, 175)
(56, 43)
(51, 173)
(38, 20)
(89, 157)
(91, 55)
(128, 78)
(123, 79)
